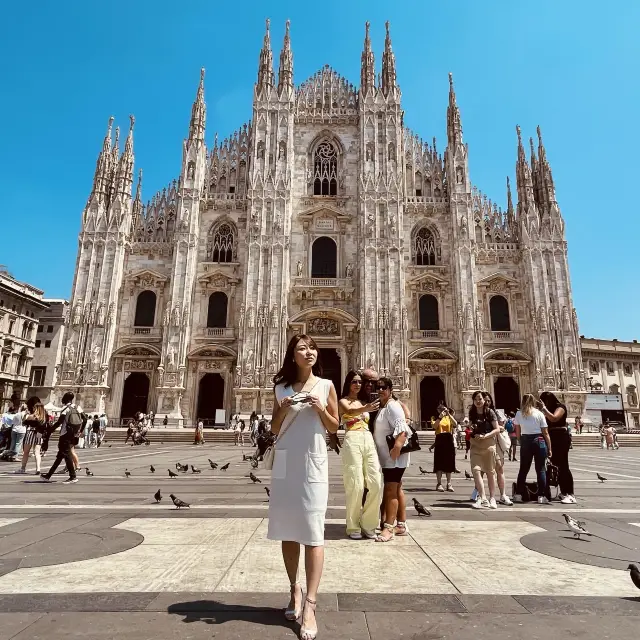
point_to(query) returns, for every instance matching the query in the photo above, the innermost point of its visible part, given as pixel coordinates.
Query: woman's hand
(372, 406)
(314, 401)
(395, 452)
(286, 402)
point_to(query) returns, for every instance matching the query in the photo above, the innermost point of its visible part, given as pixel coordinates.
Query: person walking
(535, 445)
(360, 464)
(555, 414)
(165, 420)
(18, 432)
(391, 421)
(483, 449)
(70, 423)
(511, 430)
(35, 421)
(444, 457)
(305, 409)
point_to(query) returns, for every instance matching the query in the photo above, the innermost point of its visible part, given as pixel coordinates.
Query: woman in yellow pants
(360, 464)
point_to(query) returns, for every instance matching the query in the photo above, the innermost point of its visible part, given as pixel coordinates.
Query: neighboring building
(48, 349)
(324, 214)
(20, 306)
(613, 379)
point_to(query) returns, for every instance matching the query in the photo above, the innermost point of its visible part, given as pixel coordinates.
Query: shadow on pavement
(214, 612)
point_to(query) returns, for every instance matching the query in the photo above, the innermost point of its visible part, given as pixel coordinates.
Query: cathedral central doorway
(431, 395)
(210, 398)
(506, 394)
(331, 368)
(135, 395)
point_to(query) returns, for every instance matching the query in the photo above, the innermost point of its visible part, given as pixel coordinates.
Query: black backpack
(75, 422)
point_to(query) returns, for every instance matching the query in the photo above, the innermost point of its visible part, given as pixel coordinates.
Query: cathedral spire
(285, 72)
(524, 181)
(388, 65)
(511, 216)
(198, 112)
(367, 68)
(454, 122)
(125, 165)
(103, 164)
(544, 171)
(265, 68)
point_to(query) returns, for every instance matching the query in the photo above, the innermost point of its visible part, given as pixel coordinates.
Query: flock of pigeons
(578, 527)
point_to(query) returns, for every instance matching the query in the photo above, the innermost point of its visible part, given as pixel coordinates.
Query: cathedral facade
(324, 215)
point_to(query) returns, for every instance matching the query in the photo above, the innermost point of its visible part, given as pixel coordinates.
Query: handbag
(411, 443)
(270, 452)
(503, 441)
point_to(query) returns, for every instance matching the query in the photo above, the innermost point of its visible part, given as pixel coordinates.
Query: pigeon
(224, 467)
(179, 503)
(467, 475)
(254, 478)
(268, 492)
(89, 473)
(601, 478)
(195, 469)
(182, 467)
(246, 457)
(172, 474)
(420, 509)
(214, 465)
(152, 469)
(157, 495)
(635, 574)
(127, 473)
(423, 471)
(576, 526)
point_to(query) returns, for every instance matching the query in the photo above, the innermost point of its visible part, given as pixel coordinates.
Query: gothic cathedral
(324, 215)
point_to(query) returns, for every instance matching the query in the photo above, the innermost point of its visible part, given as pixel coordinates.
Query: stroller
(263, 442)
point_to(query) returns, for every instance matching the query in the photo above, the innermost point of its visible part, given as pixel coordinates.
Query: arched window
(428, 311)
(222, 244)
(499, 312)
(217, 312)
(425, 251)
(324, 258)
(145, 309)
(22, 362)
(325, 170)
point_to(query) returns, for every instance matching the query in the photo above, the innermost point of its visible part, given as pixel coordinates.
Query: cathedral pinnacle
(104, 165)
(545, 176)
(265, 68)
(285, 73)
(198, 112)
(125, 165)
(524, 182)
(454, 122)
(367, 67)
(388, 65)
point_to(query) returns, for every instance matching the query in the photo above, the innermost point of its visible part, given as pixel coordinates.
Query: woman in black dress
(556, 414)
(444, 455)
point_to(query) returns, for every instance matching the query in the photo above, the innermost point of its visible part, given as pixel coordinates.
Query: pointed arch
(222, 241)
(425, 245)
(326, 153)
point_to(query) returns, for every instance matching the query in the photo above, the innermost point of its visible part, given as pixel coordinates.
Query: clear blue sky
(570, 66)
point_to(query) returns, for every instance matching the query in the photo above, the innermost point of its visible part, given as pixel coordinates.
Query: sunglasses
(382, 388)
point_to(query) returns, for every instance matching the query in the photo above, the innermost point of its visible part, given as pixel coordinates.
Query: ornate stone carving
(323, 326)
(251, 317)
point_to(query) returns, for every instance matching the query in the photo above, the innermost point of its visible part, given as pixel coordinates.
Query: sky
(570, 67)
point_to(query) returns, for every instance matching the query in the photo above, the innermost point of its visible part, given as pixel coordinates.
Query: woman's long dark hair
(288, 373)
(346, 389)
(550, 401)
(473, 411)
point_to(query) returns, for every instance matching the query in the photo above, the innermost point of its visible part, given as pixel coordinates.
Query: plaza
(101, 559)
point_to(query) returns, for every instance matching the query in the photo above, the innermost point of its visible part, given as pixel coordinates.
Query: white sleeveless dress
(300, 474)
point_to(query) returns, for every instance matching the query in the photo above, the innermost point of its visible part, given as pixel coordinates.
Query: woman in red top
(467, 439)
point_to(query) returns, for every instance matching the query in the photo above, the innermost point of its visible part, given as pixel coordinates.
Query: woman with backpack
(36, 423)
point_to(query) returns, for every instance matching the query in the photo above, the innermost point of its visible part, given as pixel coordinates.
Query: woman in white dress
(304, 409)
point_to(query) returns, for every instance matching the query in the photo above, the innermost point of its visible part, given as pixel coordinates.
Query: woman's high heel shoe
(308, 633)
(293, 614)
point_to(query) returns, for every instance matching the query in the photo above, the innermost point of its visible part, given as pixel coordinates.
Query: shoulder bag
(503, 441)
